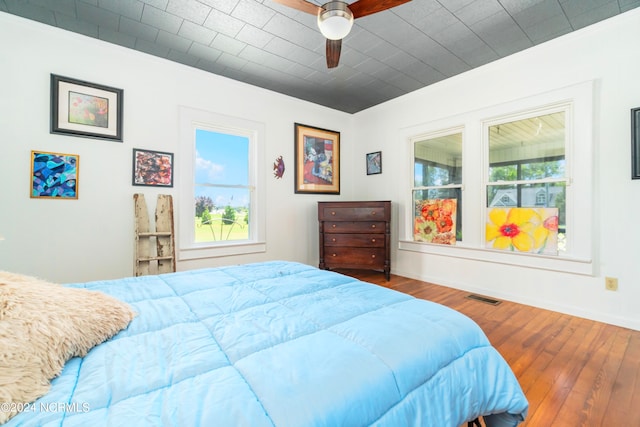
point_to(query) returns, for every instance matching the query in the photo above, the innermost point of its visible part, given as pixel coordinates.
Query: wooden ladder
(163, 258)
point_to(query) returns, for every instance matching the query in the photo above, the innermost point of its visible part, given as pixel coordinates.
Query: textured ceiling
(265, 44)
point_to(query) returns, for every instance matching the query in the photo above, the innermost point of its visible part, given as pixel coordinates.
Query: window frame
(564, 107)
(579, 258)
(433, 135)
(190, 120)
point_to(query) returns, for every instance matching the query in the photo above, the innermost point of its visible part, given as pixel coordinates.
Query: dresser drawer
(373, 213)
(354, 227)
(344, 256)
(354, 240)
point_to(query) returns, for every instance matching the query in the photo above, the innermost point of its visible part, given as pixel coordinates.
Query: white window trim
(580, 170)
(190, 119)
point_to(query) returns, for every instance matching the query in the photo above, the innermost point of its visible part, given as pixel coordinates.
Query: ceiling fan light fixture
(335, 20)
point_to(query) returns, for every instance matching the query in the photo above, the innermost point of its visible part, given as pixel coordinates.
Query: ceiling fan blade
(362, 8)
(333, 52)
(301, 5)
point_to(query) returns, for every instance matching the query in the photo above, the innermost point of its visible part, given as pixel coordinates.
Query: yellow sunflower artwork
(533, 230)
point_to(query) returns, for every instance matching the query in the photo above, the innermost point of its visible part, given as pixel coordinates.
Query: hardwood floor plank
(574, 372)
(582, 406)
(624, 399)
(521, 358)
(555, 381)
(543, 358)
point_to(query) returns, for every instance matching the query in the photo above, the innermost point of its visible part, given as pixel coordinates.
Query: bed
(274, 344)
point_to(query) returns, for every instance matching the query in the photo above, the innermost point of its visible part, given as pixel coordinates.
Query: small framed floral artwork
(86, 109)
(374, 163)
(532, 230)
(54, 175)
(152, 168)
(435, 221)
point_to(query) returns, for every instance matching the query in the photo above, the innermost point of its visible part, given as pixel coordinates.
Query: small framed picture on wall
(152, 168)
(374, 163)
(54, 175)
(317, 160)
(85, 109)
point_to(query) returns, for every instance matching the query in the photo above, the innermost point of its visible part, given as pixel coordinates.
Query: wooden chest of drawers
(355, 235)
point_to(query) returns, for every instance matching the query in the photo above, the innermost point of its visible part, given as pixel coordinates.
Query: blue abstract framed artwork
(54, 175)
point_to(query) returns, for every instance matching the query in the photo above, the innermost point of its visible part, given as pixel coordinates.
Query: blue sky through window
(223, 160)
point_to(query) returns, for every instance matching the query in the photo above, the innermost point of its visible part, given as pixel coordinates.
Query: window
(222, 191)
(437, 188)
(221, 207)
(534, 152)
(527, 165)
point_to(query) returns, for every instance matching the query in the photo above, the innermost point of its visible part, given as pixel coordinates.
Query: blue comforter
(279, 344)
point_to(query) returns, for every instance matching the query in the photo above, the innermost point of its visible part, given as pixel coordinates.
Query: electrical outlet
(611, 283)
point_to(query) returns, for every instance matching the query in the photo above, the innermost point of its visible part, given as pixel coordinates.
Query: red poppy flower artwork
(435, 221)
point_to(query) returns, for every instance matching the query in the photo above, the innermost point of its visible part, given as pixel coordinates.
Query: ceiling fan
(335, 19)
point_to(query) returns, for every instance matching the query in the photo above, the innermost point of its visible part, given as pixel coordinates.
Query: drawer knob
(333, 240)
(333, 226)
(373, 256)
(373, 212)
(333, 212)
(373, 226)
(373, 240)
(333, 255)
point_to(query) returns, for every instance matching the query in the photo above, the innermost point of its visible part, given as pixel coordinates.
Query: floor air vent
(484, 299)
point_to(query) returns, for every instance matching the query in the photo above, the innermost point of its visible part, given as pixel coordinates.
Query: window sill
(562, 264)
(221, 250)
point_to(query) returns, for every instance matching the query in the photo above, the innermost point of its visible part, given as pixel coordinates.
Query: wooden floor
(574, 372)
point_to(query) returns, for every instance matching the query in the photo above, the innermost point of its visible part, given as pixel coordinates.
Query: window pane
(502, 196)
(227, 219)
(221, 158)
(544, 195)
(528, 149)
(438, 161)
(543, 169)
(508, 172)
(437, 193)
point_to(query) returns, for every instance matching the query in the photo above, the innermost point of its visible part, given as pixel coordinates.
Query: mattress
(280, 344)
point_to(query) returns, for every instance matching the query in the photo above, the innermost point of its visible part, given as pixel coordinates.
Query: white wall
(606, 53)
(92, 237)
